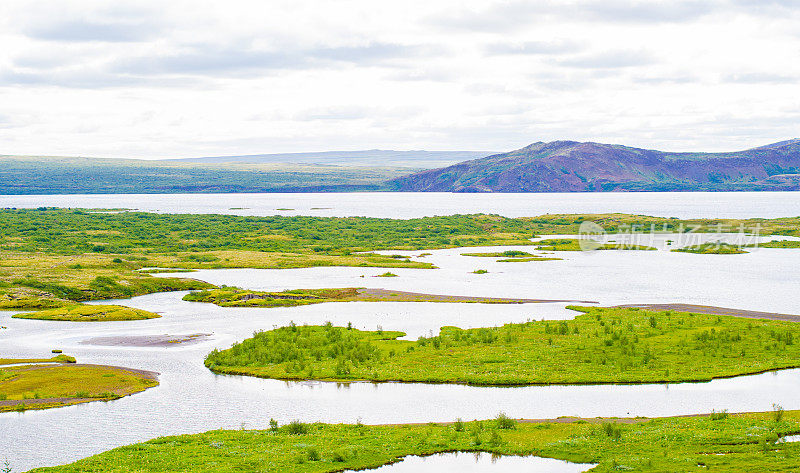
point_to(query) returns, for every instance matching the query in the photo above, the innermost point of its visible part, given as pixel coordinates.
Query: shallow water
(192, 399)
(479, 463)
(410, 205)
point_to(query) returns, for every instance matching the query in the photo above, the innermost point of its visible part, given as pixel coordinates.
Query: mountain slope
(570, 166)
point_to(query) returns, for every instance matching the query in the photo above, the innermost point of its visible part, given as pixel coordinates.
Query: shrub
(504, 422)
(458, 426)
(718, 415)
(296, 427)
(777, 413)
(313, 454)
(612, 430)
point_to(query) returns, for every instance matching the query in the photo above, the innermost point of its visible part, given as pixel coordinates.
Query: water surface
(422, 204)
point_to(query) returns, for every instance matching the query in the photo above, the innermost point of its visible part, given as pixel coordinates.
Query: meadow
(603, 345)
(718, 442)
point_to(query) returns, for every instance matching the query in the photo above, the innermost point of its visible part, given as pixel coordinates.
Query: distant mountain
(370, 158)
(571, 166)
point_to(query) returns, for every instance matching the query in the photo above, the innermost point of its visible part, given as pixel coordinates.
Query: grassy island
(28, 385)
(712, 249)
(235, 297)
(89, 313)
(718, 442)
(792, 244)
(512, 256)
(603, 345)
(573, 244)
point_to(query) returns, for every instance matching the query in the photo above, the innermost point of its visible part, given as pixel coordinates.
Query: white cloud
(202, 77)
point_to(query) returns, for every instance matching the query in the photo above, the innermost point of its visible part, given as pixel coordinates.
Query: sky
(152, 79)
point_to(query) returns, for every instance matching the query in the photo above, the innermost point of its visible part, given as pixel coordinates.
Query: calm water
(409, 205)
(480, 463)
(192, 399)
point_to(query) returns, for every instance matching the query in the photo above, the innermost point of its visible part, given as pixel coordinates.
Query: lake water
(410, 205)
(192, 399)
(480, 463)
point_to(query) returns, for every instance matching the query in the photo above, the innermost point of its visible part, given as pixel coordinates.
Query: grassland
(45, 386)
(712, 249)
(89, 313)
(603, 345)
(719, 442)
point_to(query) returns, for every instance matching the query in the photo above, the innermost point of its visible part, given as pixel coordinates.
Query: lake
(411, 205)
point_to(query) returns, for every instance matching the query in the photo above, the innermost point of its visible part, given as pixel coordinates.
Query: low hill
(570, 166)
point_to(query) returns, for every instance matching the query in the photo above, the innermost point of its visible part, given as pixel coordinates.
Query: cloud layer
(190, 78)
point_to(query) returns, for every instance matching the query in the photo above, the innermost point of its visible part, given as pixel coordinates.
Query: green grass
(89, 313)
(41, 387)
(730, 444)
(604, 345)
(387, 274)
(712, 249)
(480, 271)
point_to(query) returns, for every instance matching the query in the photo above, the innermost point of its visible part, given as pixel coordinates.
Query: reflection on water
(464, 462)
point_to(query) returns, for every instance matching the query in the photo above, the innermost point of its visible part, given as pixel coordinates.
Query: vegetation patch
(500, 254)
(573, 244)
(778, 244)
(55, 359)
(717, 248)
(731, 444)
(603, 345)
(32, 386)
(235, 297)
(89, 313)
(526, 260)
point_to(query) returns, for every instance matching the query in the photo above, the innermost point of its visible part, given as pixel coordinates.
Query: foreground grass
(89, 313)
(721, 442)
(46, 386)
(604, 345)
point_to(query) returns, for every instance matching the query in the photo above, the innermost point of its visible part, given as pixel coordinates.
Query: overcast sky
(202, 78)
